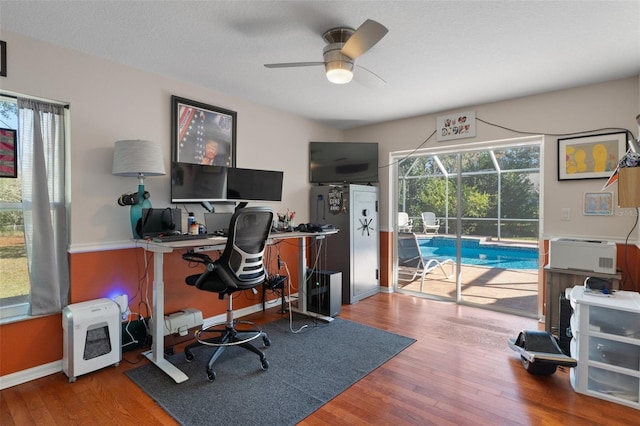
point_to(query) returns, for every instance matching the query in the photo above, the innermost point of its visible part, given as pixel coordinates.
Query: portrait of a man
(204, 136)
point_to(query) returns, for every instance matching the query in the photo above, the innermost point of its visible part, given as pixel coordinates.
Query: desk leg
(302, 281)
(156, 354)
(302, 275)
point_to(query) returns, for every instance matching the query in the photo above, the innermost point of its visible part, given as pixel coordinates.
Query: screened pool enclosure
(490, 195)
(500, 191)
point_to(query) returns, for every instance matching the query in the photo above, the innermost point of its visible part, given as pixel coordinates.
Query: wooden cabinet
(606, 344)
(556, 282)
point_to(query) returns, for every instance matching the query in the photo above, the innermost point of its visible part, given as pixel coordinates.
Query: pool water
(477, 253)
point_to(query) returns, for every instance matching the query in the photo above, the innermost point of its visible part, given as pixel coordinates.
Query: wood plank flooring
(459, 372)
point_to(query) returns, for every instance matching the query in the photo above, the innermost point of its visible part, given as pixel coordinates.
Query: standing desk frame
(156, 354)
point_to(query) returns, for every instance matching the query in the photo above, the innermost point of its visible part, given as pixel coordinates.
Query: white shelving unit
(606, 344)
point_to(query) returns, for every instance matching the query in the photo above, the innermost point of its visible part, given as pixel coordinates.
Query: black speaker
(324, 292)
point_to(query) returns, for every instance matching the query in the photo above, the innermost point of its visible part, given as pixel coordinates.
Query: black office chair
(240, 267)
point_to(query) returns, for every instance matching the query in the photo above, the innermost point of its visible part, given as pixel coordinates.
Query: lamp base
(136, 212)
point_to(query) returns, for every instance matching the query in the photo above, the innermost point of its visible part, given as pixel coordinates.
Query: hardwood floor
(459, 372)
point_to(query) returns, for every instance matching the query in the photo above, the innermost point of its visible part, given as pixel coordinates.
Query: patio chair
(409, 256)
(431, 225)
(405, 224)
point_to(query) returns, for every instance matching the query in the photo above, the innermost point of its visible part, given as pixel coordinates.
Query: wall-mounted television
(343, 162)
(254, 185)
(197, 183)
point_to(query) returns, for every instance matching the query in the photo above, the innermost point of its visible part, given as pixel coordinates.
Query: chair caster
(265, 364)
(266, 341)
(211, 375)
(188, 356)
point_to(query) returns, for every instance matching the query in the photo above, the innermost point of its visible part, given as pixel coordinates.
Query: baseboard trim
(30, 374)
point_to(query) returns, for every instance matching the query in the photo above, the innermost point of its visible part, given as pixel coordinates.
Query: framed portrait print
(8, 153)
(590, 157)
(598, 203)
(202, 134)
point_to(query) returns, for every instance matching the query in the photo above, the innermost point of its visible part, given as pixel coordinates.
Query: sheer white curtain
(41, 158)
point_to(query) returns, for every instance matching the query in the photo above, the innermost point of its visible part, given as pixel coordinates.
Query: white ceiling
(438, 55)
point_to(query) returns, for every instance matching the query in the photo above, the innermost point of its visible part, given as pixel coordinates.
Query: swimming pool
(477, 252)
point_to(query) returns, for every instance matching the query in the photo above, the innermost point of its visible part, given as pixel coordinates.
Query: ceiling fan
(344, 45)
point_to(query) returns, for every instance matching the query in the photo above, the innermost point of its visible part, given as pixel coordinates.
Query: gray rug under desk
(306, 370)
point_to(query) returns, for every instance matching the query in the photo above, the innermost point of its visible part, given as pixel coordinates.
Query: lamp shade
(137, 157)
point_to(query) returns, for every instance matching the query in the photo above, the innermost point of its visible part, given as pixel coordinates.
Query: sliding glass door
(486, 204)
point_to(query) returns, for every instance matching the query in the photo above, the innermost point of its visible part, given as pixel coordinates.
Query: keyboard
(181, 237)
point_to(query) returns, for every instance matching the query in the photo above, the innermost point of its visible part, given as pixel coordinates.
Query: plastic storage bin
(606, 344)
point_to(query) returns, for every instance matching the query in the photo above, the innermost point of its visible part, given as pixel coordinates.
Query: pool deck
(503, 288)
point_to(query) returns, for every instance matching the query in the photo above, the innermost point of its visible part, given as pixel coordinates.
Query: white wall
(612, 104)
(109, 102)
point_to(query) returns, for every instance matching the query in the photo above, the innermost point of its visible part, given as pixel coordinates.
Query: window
(500, 190)
(33, 234)
(14, 275)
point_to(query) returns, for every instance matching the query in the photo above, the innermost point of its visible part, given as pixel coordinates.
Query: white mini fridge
(92, 337)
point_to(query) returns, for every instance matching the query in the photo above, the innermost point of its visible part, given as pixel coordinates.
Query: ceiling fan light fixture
(339, 67)
(339, 75)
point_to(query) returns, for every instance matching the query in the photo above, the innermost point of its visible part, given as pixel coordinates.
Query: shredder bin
(92, 337)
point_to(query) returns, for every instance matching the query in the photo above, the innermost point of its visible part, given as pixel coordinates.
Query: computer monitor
(197, 183)
(254, 185)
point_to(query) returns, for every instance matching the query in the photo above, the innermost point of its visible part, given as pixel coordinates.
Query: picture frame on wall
(590, 157)
(456, 126)
(598, 204)
(8, 154)
(202, 134)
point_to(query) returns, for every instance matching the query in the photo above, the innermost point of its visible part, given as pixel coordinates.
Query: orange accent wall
(30, 343)
(93, 275)
(628, 261)
(38, 341)
(386, 259)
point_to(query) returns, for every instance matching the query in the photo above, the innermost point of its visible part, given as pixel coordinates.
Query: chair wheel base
(211, 375)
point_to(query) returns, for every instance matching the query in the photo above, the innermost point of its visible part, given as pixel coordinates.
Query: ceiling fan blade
(294, 64)
(365, 37)
(368, 78)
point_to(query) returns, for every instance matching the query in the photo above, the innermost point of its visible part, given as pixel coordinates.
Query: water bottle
(191, 222)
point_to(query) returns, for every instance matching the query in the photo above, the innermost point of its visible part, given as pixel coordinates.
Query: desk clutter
(165, 225)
